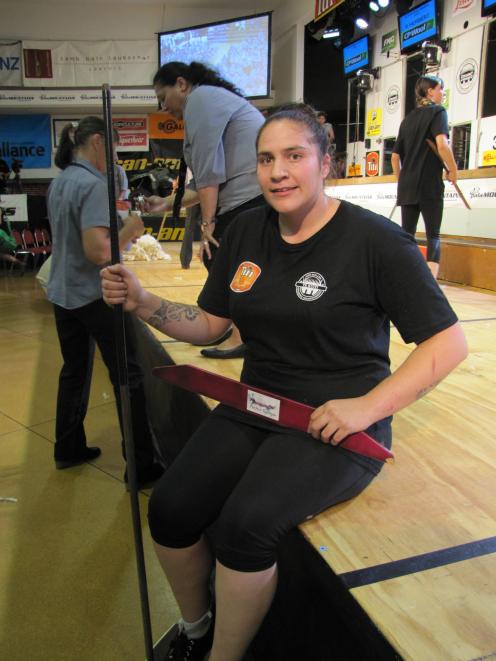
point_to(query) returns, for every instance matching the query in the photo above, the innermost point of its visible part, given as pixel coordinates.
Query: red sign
(133, 132)
(134, 141)
(37, 63)
(323, 7)
(372, 164)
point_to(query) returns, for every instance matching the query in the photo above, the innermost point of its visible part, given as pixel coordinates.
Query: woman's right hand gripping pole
(121, 287)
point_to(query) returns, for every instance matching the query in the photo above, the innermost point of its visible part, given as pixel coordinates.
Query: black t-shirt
(315, 316)
(421, 175)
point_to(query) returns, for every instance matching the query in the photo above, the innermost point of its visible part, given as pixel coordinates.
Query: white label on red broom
(263, 405)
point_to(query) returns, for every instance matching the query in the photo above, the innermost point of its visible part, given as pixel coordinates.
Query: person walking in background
(220, 129)
(79, 219)
(418, 170)
(322, 119)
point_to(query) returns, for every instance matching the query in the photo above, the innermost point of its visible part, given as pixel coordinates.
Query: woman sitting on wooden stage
(313, 285)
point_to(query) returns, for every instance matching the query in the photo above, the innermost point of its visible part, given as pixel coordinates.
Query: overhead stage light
(365, 79)
(383, 4)
(373, 6)
(431, 54)
(333, 33)
(362, 23)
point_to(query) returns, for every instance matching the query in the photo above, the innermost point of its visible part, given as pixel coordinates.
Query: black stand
(120, 340)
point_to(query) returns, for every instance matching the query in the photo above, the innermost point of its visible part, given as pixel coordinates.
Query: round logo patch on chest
(310, 286)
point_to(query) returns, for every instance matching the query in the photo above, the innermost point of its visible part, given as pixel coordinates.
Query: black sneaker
(88, 454)
(183, 648)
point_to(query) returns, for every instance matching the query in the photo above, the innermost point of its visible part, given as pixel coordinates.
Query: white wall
(466, 30)
(60, 20)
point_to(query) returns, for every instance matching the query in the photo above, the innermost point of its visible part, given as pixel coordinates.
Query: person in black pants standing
(79, 219)
(418, 170)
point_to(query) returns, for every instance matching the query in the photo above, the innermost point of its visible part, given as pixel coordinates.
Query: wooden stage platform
(408, 568)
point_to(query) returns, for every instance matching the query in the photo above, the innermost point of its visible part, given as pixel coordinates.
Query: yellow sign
(374, 123)
(489, 157)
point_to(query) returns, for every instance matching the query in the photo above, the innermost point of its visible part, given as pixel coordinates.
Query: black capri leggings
(254, 484)
(432, 213)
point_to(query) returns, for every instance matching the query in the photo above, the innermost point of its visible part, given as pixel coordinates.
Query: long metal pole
(120, 341)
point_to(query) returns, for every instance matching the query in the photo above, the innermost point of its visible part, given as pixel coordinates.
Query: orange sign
(372, 164)
(165, 126)
(245, 277)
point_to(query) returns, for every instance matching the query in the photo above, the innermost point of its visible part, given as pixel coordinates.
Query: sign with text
(374, 122)
(27, 139)
(164, 126)
(389, 41)
(323, 7)
(133, 132)
(10, 64)
(372, 164)
(76, 98)
(88, 63)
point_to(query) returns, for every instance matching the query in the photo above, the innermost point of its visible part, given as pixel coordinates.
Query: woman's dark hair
(301, 113)
(423, 85)
(73, 137)
(195, 73)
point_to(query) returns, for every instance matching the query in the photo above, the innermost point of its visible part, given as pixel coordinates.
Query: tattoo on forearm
(424, 391)
(172, 312)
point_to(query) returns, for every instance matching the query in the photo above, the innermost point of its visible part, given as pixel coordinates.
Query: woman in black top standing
(418, 170)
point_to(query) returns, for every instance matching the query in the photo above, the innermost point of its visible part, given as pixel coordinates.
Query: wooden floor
(417, 549)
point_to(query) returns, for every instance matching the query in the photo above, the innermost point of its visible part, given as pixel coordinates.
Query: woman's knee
(171, 518)
(246, 539)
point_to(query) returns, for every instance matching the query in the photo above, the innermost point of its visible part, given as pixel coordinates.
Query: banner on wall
(487, 144)
(10, 64)
(133, 132)
(76, 98)
(88, 63)
(27, 139)
(459, 6)
(465, 88)
(323, 7)
(480, 193)
(391, 99)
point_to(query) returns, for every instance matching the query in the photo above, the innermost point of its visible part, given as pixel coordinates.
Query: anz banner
(10, 64)
(26, 139)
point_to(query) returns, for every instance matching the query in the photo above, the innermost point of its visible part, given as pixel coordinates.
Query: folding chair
(39, 240)
(30, 245)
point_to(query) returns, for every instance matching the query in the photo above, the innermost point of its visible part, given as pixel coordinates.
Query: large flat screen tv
(239, 49)
(356, 55)
(417, 25)
(488, 7)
